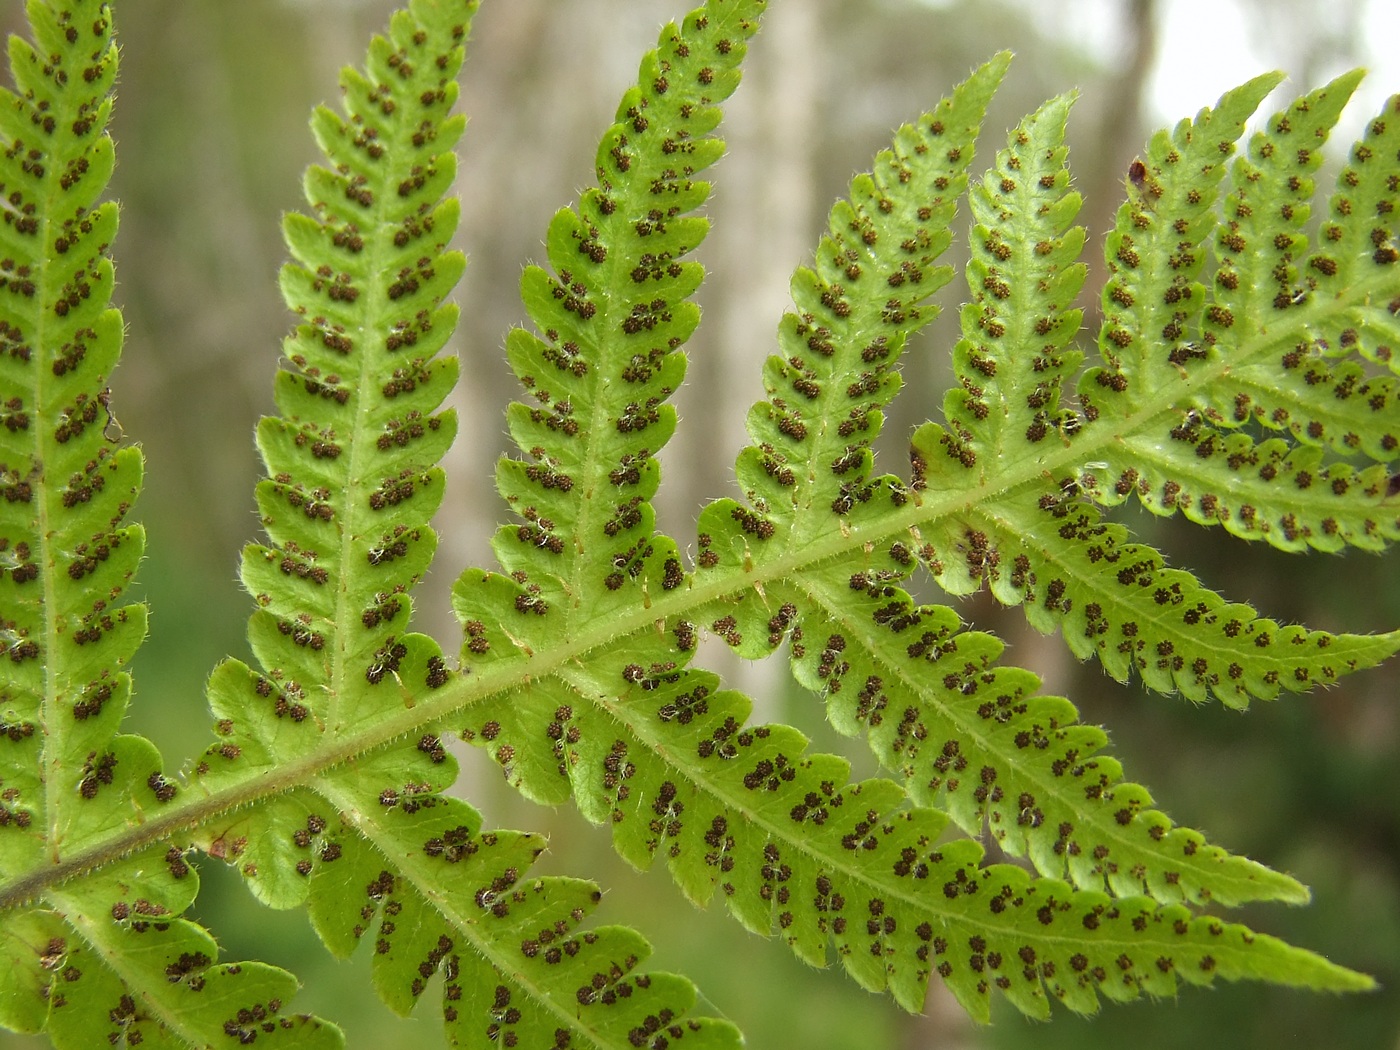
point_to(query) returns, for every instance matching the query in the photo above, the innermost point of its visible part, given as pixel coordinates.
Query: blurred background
(211, 131)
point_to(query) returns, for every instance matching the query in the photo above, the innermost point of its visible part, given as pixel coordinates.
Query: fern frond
(612, 319)
(795, 849)
(965, 734)
(66, 554)
(1034, 538)
(1241, 377)
(974, 739)
(375, 849)
(516, 969)
(353, 480)
(108, 957)
(643, 743)
(1279, 343)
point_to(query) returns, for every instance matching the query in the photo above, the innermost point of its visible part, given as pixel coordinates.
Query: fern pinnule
(1024, 276)
(976, 739)
(1170, 217)
(805, 475)
(1354, 239)
(841, 351)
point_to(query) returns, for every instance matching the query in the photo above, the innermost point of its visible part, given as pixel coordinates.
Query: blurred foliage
(211, 132)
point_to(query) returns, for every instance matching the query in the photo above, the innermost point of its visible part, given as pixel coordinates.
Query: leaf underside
(1243, 376)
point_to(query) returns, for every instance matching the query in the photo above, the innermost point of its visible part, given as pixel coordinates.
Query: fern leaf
(377, 850)
(108, 955)
(1050, 551)
(516, 971)
(889, 235)
(1228, 383)
(965, 734)
(642, 742)
(1275, 343)
(352, 457)
(67, 556)
(795, 849)
(975, 739)
(611, 320)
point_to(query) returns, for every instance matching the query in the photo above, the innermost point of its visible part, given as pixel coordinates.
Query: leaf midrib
(356, 507)
(471, 687)
(48, 406)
